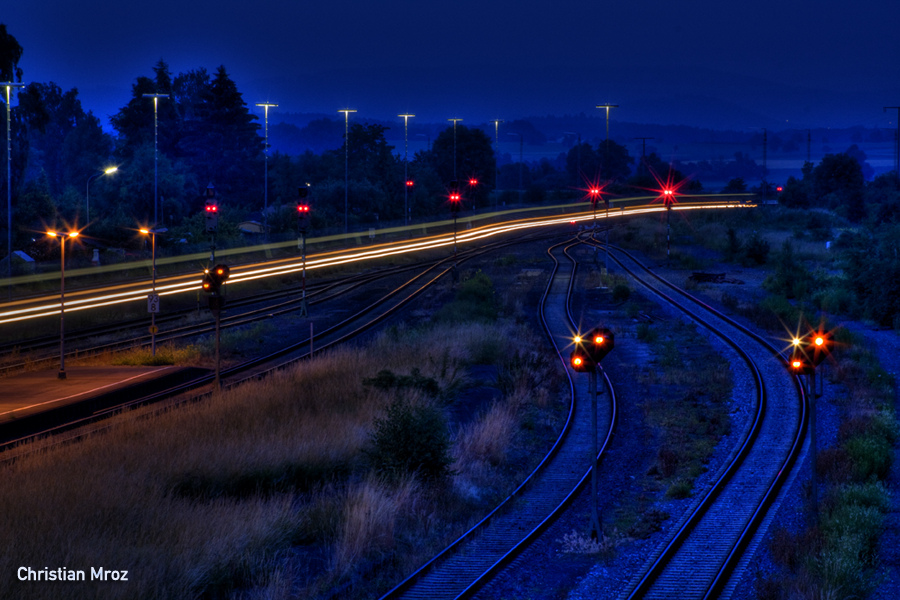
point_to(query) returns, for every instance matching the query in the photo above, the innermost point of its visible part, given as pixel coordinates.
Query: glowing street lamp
(156, 98)
(346, 112)
(266, 106)
(406, 118)
(87, 195)
(153, 298)
(62, 296)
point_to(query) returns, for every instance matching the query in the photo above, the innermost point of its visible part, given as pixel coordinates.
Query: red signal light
(454, 197)
(212, 208)
(302, 208)
(409, 183)
(473, 181)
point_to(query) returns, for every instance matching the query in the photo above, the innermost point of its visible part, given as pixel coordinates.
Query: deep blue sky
(740, 65)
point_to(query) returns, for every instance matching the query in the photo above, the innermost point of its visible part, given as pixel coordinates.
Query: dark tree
(474, 158)
(735, 186)
(10, 55)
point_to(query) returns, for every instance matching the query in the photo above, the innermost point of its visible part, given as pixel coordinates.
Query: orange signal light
(598, 339)
(796, 364)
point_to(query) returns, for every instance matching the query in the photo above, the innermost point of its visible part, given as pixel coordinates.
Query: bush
(621, 293)
(475, 301)
(757, 249)
(411, 438)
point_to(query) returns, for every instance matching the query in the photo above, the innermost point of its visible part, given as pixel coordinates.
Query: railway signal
(211, 209)
(303, 223)
(214, 279)
(807, 353)
(589, 350)
(455, 204)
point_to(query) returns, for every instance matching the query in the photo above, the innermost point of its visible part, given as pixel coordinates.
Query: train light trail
(132, 291)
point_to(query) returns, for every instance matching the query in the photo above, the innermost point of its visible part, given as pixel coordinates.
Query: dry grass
(214, 499)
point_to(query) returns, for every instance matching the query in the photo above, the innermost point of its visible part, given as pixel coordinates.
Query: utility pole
(644, 150)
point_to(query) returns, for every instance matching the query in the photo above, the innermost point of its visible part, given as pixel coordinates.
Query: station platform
(29, 393)
(35, 401)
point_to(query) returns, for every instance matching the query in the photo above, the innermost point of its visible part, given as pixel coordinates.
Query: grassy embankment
(805, 282)
(270, 488)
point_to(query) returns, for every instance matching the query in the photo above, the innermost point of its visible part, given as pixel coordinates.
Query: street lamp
(454, 145)
(496, 159)
(346, 112)
(607, 106)
(266, 106)
(87, 195)
(153, 297)
(8, 85)
(156, 98)
(62, 296)
(406, 118)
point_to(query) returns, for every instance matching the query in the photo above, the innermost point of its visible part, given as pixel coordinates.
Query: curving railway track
(473, 559)
(701, 558)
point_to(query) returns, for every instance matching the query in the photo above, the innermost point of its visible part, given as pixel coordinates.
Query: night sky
(768, 63)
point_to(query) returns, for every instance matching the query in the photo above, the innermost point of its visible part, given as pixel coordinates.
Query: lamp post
(87, 195)
(9, 85)
(496, 157)
(266, 106)
(406, 118)
(156, 98)
(346, 112)
(153, 297)
(62, 296)
(607, 106)
(454, 145)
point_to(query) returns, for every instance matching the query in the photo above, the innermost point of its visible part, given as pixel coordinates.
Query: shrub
(475, 301)
(757, 249)
(411, 438)
(621, 293)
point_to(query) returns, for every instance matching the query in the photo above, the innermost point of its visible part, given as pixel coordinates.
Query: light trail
(191, 283)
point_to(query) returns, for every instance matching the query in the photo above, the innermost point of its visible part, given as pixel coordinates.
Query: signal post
(302, 225)
(807, 353)
(585, 358)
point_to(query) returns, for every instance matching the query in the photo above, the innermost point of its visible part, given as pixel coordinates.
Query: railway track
(373, 312)
(701, 557)
(244, 310)
(474, 558)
